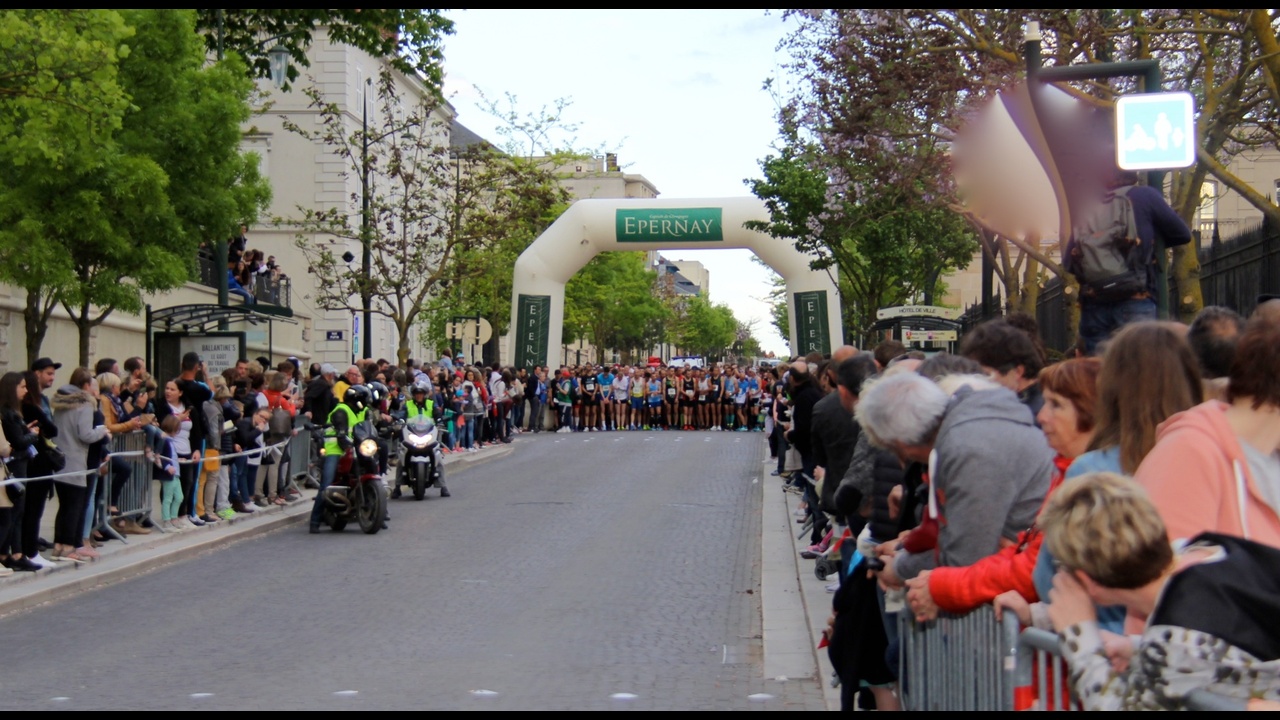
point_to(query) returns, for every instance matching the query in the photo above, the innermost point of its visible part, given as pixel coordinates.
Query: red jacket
(961, 589)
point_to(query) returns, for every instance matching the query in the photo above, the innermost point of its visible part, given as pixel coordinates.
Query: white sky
(677, 92)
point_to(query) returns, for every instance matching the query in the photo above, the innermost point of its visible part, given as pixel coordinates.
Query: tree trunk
(36, 321)
(1029, 293)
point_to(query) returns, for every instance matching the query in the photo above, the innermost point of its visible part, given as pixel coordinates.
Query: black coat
(833, 435)
(38, 466)
(21, 440)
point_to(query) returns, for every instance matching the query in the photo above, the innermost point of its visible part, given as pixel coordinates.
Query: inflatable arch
(590, 227)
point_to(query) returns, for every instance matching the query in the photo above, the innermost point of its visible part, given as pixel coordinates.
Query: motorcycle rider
(343, 419)
(419, 403)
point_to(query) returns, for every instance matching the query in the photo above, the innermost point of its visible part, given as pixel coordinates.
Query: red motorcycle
(357, 492)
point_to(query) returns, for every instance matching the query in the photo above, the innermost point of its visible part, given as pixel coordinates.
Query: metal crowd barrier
(136, 497)
(974, 662)
(957, 662)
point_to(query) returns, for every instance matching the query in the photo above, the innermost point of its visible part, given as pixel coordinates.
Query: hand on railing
(1014, 603)
(919, 598)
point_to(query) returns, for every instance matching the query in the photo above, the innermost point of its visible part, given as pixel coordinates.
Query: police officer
(343, 419)
(419, 403)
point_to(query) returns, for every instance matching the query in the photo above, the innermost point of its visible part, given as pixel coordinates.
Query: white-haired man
(990, 471)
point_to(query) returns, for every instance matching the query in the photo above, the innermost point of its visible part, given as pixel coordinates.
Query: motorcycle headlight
(369, 447)
(420, 441)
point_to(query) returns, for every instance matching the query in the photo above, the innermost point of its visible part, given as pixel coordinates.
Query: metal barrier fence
(129, 450)
(974, 662)
(957, 662)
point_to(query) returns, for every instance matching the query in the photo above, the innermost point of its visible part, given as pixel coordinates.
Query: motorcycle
(357, 491)
(420, 464)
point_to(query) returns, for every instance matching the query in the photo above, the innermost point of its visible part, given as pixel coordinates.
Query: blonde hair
(219, 386)
(1104, 525)
(108, 381)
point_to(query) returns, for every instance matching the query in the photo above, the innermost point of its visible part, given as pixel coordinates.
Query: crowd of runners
(721, 398)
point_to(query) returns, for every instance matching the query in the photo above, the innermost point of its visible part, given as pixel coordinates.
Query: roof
(200, 317)
(460, 136)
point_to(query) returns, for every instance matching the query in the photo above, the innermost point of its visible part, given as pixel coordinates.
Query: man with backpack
(1112, 254)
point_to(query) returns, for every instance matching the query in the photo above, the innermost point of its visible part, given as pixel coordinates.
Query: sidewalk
(143, 553)
(794, 602)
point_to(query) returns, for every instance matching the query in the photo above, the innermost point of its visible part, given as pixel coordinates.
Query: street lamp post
(366, 249)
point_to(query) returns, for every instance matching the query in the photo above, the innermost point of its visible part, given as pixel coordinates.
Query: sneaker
(209, 519)
(473, 449)
(226, 513)
(40, 560)
(195, 521)
(809, 554)
(833, 587)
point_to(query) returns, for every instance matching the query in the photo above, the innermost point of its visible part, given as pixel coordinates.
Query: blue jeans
(467, 433)
(1099, 321)
(328, 471)
(240, 480)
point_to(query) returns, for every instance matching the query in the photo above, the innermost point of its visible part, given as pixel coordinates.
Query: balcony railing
(266, 290)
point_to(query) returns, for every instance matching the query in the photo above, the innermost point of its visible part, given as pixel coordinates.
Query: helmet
(357, 397)
(378, 391)
(418, 387)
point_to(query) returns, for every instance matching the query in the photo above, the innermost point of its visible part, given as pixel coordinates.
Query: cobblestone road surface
(601, 571)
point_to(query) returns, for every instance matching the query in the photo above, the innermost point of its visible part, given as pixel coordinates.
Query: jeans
(535, 414)
(466, 433)
(328, 471)
(517, 413)
(240, 480)
(1099, 321)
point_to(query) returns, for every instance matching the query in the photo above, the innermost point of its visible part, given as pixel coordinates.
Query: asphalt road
(599, 571)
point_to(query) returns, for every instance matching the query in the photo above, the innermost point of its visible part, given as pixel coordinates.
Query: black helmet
(357, 397)
(379, 391)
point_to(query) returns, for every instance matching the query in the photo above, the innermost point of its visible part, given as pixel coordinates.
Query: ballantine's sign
(670, 225)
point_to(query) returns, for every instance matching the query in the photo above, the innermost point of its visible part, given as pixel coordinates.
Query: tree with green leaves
(410, 40)
(125, 215)
(611, 303)
(59, 101)
(884, 245)
(433, 209)
(703, 328)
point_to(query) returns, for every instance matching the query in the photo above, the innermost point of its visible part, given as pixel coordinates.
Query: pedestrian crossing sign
(1155, 131)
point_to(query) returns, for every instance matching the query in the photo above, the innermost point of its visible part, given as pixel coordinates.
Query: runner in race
(655, 399)
(639, 390)
(671, 399)
(606, 379)
(715, 387)
(688, 398)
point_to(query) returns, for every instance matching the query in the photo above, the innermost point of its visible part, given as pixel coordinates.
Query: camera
(875, 564)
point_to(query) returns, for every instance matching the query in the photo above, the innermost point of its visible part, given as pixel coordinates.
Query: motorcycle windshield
(420, 425)
(362, 431)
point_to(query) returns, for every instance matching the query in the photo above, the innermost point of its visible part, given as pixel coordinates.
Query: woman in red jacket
(1067, 419)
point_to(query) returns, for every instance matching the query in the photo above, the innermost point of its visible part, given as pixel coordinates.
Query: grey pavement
(607, 571)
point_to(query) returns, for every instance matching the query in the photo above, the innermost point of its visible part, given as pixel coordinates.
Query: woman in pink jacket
(1216, 467)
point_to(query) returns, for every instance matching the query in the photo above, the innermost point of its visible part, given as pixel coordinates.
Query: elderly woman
(73, 413)
(1067, 420)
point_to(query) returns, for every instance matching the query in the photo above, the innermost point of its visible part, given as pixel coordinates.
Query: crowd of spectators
(1108, 498)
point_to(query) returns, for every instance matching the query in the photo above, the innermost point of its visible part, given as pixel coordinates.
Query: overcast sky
(677, 93)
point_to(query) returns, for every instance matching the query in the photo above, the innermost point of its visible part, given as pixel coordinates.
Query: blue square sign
(1155, 131)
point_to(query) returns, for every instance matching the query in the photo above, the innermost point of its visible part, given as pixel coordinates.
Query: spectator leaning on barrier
(19, 443)
(991, 472)
(1009, 356)
(1067, 420)
(1216, 467)
(1210, 610)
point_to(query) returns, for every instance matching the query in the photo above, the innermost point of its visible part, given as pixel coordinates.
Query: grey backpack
(1106, 254)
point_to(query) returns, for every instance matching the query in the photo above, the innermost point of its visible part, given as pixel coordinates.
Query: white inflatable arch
(590, 227)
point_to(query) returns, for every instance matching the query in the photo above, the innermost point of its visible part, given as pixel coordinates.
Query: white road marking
(346, 693)
(760, 697)
(623, 696)
(484, 693)
(201, 695)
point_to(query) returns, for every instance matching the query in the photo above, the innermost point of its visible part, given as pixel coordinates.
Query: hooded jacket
(1199, 479)
(993, 471)
(73, 414)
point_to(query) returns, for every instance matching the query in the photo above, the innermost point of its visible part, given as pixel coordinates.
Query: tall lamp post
(366, 243)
